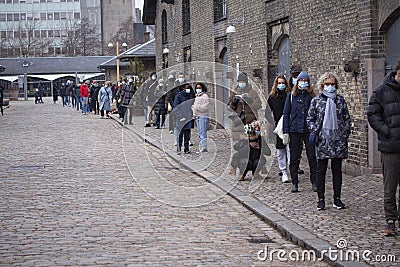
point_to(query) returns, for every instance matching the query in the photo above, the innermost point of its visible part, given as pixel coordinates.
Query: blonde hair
(325, 76)
(274, 89)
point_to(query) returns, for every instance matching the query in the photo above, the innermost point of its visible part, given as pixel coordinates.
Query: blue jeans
(78, 102)
(202, 131)
(85, 101)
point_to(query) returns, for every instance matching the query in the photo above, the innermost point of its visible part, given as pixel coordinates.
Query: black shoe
(147, 125)
(314, 187)
(300, 171)
(178, 152)
(321, 204)
(157, 127)
(280, 173)
(204, 150)
(295, 188)
(337, 203)
(390, 229)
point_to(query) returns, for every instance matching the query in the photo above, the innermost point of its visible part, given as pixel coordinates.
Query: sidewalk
(353, 231)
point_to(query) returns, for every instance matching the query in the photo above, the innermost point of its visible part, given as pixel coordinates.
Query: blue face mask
(198, 91)
(187, 91)
(258, 132)
(302, 85)
(281, 87)
(294, 81)
(242, 85)
(329, 88)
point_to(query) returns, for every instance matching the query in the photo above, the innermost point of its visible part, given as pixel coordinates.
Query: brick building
(357, 39)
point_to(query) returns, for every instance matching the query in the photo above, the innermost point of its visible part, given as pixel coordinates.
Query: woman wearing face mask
(295, 128)
(276, 102)
(329, 122)
(160, 108)
(244, 101)
(184, 116)
(200, 111)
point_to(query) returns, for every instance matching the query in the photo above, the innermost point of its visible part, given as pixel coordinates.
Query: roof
(142, 51)
(51, 65)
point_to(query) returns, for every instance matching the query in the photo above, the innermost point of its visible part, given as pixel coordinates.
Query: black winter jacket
(384, 114)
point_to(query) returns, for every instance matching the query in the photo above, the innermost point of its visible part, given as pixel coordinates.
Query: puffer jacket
(295, 112)
(182, 109)
(326, 148)
(384, 114)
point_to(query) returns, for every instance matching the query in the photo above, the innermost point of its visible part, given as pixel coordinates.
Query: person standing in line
(329, 122)
(41, 93)
(160, 106)
(84, 93)
(200, 112)
(127, 95)
(94, 94)
(172, 89)
(184, 116)
(105, 98)
(55, 94)
(295, 129)
(276, 102)
(67, 93)
(78, 99)
(384, 117)
(62, 93)
(73, 95)
(146, 95)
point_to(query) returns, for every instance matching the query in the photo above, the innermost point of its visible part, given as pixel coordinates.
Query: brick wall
(324, 36)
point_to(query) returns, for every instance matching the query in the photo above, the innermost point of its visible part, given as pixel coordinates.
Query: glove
(286, 139)
(313, 139)
(235, 101)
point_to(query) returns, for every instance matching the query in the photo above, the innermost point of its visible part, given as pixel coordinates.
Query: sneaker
(187, 152)
(314, 188)
(285, 178)
(147, 125)
(295, 188)
(178, 152)
(321, 204)
(241, 178)
(280, 173)
(204, 150)
(390, 229)
(171, 132)
(300, 171)
(190, 144)
(337, 203)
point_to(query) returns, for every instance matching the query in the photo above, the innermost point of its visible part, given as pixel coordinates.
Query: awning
(9, 78)
(52, 77)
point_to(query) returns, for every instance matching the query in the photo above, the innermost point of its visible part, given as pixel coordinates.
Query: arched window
(164, 27)
(186, 16)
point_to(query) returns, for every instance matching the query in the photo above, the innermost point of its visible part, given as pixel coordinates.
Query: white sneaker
(285, 178)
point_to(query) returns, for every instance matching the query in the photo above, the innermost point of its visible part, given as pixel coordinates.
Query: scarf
(329, 129)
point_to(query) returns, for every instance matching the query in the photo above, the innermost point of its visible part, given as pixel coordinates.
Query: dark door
(392, 45)
(284, 57)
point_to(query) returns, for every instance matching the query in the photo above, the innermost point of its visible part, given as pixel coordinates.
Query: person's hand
(255, 145)
(235, 101)
(183, 119)
(286, 139)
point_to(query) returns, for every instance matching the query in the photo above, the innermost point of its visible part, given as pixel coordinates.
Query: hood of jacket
(389, 80)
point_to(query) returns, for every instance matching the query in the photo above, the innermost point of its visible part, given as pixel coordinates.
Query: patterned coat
(334, 148)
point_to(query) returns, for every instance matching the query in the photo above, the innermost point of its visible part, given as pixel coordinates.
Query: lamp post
(125, 46)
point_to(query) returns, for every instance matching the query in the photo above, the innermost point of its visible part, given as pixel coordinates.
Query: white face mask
(181, 80)
(198, 91)
(242, 85)
(187, 91)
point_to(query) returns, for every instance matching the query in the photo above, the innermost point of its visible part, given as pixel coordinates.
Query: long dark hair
(203, 87)
(274, 89)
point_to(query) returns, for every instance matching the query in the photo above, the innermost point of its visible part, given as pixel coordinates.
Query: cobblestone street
(78, 191)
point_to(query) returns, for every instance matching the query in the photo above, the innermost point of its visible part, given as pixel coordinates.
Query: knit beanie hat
(242, 77)
(303, 75)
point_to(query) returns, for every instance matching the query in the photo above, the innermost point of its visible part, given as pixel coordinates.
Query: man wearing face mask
(244, 101)
(296, 131)
(128, 92)
(172, 93)
(329, 122)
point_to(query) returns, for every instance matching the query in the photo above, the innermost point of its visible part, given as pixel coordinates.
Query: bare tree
(125, 34)
(90, 40)
(25, 41)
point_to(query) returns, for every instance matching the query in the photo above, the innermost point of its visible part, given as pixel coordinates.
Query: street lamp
(124, 45)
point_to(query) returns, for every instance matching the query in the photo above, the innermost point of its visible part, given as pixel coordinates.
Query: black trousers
(295, 145)
(336, 167)
(184, 136)
(391, 181)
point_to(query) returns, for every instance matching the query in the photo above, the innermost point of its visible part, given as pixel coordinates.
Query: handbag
(279, 128)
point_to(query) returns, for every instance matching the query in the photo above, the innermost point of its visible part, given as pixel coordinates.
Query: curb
(289, 229)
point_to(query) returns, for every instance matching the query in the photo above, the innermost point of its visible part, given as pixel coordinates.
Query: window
(15, 1)
(9, 1)
(63, 15)
(43, 16)
(23, 16)
(77, 15)
(2, 1)
(50, 33)
(56, 15)
(9, 17)
(92, 18)
(187, 57)
(3, 17)
(43, 33)
(219, 9)
(186, 16)
(50, 16)
(16, 16)
(3, 34)
(164, 29)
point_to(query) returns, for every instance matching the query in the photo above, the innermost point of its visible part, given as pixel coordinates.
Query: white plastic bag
(279, 128)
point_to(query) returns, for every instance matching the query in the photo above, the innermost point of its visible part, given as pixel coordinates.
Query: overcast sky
(139, 4)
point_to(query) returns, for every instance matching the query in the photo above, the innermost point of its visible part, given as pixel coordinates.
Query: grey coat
(330, 149)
